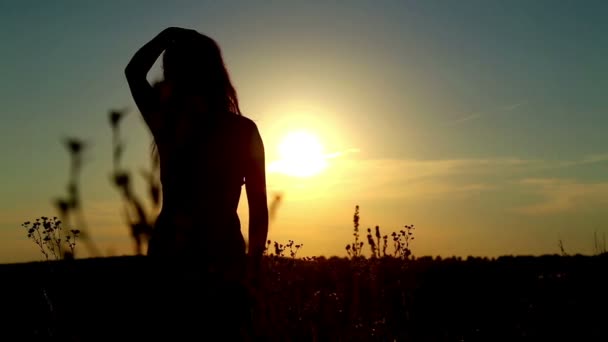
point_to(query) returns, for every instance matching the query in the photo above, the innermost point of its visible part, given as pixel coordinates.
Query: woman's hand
(171, 35)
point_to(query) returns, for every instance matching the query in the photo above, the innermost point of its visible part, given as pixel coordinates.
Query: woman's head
(194, 66)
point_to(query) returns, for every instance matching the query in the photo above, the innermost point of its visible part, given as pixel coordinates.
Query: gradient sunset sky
(483, 123)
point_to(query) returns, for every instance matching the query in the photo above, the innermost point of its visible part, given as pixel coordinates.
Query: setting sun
(301, 155)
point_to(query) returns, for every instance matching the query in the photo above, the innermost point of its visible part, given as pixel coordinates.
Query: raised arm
(255, 186)
(137, 70)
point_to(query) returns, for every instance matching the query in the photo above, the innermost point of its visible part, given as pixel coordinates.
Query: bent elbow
(131, 72)
(128, 72)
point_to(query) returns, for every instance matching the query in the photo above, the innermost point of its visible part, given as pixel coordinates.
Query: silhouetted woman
(207, 152)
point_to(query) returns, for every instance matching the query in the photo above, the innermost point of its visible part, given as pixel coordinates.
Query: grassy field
(547, 298)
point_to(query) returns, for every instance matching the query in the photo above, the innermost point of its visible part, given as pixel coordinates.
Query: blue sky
(482, 122)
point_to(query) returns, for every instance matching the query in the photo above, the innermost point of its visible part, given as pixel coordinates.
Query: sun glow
(301, 155)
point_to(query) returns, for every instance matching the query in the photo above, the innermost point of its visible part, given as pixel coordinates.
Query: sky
(482, 123)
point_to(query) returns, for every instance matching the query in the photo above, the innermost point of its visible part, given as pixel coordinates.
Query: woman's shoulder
(243, 121)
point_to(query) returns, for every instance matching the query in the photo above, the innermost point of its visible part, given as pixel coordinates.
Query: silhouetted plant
(401, 242)
(267, 247)
(562, 250)
(118, 147)
(376, 245)
(280, 249)
(384, 244)
(294, 248)
(354, 250)
(274, 205)
(47, 233)
(599, 246)
(371, 243)
(138, 220)
(72, 205)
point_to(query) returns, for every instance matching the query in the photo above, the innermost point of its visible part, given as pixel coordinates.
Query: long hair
(193, 66)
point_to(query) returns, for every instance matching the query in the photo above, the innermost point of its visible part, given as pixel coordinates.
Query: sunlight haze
(301, 155)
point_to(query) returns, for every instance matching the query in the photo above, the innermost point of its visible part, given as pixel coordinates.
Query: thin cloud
(585, 160)
(465, 119)
(460, 120)
(475, 116)
(396, 179)
(423, 179)
(513, 106)
(594, 158)
(341, 153)
(561, 195)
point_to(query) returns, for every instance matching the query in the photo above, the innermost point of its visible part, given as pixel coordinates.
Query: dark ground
(548, 298)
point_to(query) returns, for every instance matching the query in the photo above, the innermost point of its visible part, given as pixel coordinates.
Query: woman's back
(203, 165)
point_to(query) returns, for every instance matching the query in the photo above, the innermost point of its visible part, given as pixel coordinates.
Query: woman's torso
(202, 166)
